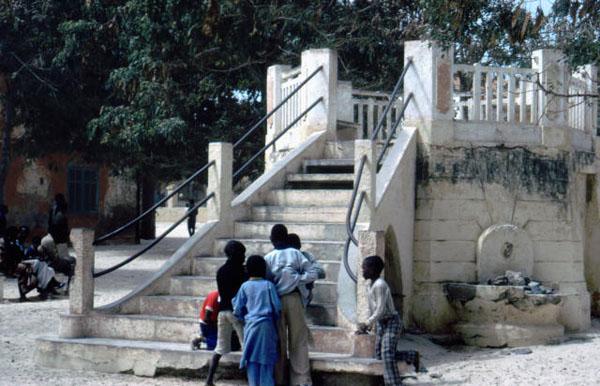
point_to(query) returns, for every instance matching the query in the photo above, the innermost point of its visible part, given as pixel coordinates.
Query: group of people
(264, 302)
(35, 265)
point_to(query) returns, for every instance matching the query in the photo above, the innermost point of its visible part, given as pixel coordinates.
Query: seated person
(32, 251)
(61, 264)
(36, 274)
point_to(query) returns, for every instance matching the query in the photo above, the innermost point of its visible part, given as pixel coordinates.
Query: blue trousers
(259, 374)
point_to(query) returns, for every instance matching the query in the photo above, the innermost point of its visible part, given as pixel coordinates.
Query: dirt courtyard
(574, 362)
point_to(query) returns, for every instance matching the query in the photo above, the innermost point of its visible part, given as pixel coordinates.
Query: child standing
(389, 323)
(258, 304)
(229, 279)
(191, 221)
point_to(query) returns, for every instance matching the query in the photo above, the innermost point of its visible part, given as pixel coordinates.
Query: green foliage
(574, 28)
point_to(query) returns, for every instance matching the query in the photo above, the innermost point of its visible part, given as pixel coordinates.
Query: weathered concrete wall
(464, 189)
(31, 186)
(395, 214)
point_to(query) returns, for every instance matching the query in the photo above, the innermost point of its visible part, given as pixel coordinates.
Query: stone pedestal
(497, 316)
(363, 346)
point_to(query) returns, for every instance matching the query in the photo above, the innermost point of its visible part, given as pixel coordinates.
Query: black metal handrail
(264, 148)
(391, 100)
(155, 241)
(349, 229)
(257, 125)
(187, 181)
(348, 240)
(156, 205)
(350, 226)
(394, 127)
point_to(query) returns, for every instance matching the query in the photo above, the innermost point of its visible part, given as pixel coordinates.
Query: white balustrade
(368, 107)
(501, 94)
(513, 95)
(291, 109)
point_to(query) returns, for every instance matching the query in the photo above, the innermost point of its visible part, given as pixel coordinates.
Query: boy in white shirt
(389, 323)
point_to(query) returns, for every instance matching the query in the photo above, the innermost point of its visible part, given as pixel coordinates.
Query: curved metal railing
(350, 225)
(155, 241)
(197, 173)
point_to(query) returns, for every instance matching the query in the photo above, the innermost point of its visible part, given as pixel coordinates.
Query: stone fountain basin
(498, 316)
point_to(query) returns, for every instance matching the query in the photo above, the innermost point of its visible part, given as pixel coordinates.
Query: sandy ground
(573, 362)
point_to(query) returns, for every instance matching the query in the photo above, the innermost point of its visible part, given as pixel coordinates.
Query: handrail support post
(220, 182)
(81, 291)
(366, 147)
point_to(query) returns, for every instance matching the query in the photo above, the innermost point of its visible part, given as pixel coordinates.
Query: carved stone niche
(503, 247)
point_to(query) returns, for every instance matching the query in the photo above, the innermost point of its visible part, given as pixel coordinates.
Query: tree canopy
(146, 84)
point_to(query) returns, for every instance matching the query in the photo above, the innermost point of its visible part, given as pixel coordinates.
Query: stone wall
(463, 190)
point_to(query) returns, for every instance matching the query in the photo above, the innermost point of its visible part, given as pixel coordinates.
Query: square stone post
(323, 84)
(219, 183)
(369, 243)
(81, 299)
(429, 79)
(274, 97)
(368, 181)
(551, 68)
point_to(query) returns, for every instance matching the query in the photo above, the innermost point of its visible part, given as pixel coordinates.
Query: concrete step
(325, 291)
(340, 165)
(192, 285)
(176, 329)
(309, 197)
(320, 181)
(208, 266)
(339, 149)
(180, 306)
(323, 250)
(153, 358)
(321, 314)
(306, 231)
(300, 213)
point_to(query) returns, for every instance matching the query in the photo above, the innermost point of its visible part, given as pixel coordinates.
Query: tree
(35, 98)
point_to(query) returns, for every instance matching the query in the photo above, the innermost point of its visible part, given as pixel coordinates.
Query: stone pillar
(429, 79)
(369, 243)
(323, 84)
(81, 299)
(171, 202)
(274, 97)
(551, 68)
(368, 180)
(219, 182)
(1, 288)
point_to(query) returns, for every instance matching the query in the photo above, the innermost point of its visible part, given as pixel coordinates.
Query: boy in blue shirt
(258, 305)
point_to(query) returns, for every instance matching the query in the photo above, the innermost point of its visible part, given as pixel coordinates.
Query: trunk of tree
(6, 125)
(148, 227)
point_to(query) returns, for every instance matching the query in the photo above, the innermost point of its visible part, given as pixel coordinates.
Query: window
(82, 190)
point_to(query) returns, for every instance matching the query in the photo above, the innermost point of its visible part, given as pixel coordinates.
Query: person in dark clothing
(230, 278)
(3, 221)
(191, 221)
(58, 225)
(13, 254)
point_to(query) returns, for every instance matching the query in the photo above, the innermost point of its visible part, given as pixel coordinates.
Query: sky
(532, 5)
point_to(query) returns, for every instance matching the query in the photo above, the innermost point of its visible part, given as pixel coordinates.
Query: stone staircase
(312, 204)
